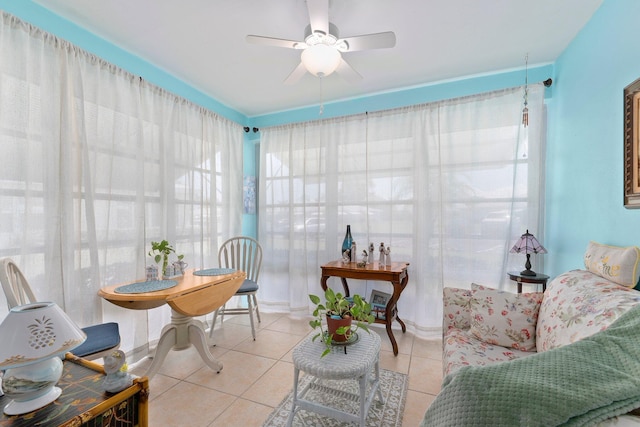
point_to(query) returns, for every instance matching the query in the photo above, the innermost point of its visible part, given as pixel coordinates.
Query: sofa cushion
(578, 304)
(618, 264)
(504, 318)
(462, 348)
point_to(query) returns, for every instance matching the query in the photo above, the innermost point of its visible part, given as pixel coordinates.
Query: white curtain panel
(96, 165)
(448, 186)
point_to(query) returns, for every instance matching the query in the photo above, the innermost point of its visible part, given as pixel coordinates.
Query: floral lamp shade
(528, 244)
(34, 337)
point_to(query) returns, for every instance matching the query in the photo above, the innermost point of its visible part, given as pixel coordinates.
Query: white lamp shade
(33, 332)
(320, 59)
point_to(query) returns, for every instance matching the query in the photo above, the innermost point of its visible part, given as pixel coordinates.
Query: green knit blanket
(579, 384)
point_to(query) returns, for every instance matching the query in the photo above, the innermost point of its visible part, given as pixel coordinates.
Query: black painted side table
(538, 279)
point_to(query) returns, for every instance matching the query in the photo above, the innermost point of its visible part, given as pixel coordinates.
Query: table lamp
(34, 337)
(528, 244)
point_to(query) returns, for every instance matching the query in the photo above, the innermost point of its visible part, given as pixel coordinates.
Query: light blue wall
(584, 189)
(249, 152)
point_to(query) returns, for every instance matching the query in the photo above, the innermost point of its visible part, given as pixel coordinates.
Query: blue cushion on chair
(99, 338)
(247, 286)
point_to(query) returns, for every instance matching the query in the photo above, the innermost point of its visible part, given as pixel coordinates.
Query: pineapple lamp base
(32, 386)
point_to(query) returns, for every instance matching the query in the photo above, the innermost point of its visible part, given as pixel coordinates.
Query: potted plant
(340, 313)
(161, 251)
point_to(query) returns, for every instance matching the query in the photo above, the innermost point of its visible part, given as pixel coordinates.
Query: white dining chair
(101, 339)
(244, 254)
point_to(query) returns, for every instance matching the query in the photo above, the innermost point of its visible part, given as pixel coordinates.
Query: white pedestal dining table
(193, 295)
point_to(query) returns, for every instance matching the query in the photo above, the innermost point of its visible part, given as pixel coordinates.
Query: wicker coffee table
(361, 358)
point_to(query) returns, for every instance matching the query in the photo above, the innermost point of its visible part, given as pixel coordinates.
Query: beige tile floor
(258, 374)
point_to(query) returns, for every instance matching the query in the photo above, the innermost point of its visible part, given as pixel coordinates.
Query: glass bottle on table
(346, 243)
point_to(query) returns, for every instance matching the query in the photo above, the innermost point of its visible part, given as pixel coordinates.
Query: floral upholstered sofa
(484, 327)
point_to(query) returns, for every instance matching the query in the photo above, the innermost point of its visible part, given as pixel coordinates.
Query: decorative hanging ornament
(525, 110)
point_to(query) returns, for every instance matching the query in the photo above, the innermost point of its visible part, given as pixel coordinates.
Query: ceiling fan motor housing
(332, 39)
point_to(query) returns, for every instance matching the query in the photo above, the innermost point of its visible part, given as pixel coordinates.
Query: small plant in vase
(160, 251)
(340, 313)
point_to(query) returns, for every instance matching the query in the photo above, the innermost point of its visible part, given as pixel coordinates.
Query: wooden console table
(396, 273)
(83, 403)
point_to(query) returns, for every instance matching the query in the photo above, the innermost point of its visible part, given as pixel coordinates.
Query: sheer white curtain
(96, 165)
(448, 186)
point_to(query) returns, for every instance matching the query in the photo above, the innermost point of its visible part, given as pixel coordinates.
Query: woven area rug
(394, 390)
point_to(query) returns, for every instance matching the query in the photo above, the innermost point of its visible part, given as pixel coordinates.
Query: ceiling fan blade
(319, 15)
(347, 72)
(271, 41)
(370, 41)
(295, 75)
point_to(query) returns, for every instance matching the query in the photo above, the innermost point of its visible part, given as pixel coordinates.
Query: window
(447, 186)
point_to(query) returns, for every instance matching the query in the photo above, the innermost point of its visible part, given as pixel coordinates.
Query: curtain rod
(547, 83)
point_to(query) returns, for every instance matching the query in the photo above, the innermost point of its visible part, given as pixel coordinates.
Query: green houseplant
(161, 251)
(339, 313)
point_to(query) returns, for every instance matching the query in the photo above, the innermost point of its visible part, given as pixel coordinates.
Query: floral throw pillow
(456, 309)
(505, 319)
(618, 264)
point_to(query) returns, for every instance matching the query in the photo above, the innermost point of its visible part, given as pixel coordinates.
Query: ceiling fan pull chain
(321, 97)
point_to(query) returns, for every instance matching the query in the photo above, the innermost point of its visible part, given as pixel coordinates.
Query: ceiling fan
(322, 47)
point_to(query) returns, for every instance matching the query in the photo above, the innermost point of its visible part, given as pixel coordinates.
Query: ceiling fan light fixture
(322, 47)
(320, 59)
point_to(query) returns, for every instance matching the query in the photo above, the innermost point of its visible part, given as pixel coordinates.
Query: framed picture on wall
(632, 145)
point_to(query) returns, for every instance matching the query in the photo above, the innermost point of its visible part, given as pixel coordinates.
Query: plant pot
(334, 324)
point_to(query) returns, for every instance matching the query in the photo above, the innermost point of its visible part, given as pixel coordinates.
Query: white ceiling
(202, 42)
